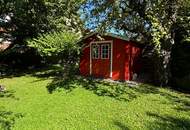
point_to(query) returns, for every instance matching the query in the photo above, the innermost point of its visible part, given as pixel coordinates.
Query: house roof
(4, 45)
(104, 34)
(2, 30)
(6, 39)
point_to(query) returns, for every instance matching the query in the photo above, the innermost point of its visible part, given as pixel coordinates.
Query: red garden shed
(110, 56)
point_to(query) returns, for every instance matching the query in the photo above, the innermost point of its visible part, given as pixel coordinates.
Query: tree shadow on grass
(69, 83)
(63, 78)
(7, 94)
(119, 91)
(185, 105)
(180, 101)
(163, 122)
(183, 102)
(40, 72)
(146, 89)
(121, 125)
(53, 71)
(8, 118)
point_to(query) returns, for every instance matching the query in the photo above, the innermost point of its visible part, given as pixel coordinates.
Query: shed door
(101, 55)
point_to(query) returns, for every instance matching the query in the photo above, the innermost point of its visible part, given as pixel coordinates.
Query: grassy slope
(29, 106)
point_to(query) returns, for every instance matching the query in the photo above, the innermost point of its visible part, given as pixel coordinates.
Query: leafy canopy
(54, 44)
(143, 20)
(33, 17)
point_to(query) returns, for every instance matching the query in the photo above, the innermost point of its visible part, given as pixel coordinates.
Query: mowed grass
(29, 105)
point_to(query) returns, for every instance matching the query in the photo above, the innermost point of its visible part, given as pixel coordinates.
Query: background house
(5, 39)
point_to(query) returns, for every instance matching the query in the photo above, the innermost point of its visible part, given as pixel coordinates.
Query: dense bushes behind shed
(181, 66)
(20, 56)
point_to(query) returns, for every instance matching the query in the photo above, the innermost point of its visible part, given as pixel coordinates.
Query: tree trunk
(163, 65)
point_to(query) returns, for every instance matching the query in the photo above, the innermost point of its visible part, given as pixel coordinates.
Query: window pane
(105, 51)
(95, 51)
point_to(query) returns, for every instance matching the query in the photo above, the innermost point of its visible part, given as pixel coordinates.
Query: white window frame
(108, 51)
(94, 45)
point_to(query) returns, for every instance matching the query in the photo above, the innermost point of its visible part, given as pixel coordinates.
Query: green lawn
(39, 102)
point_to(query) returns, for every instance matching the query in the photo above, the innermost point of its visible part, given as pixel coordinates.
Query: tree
(41, 20)
(150, 21)
(181, 50)
(33, 17)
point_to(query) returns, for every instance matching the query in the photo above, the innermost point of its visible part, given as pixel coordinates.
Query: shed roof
(111, 35)
(104, 34)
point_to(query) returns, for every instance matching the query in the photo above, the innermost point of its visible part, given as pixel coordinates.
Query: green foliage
(56, 44)
(151, 21)
(64, 14)
(187, 39)
(33, 17)
(29, 17)
(183, 26)
(157, 33)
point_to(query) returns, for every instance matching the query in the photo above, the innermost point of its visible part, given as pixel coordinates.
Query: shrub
(57, 46)
(20, 56)
(182, 83)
